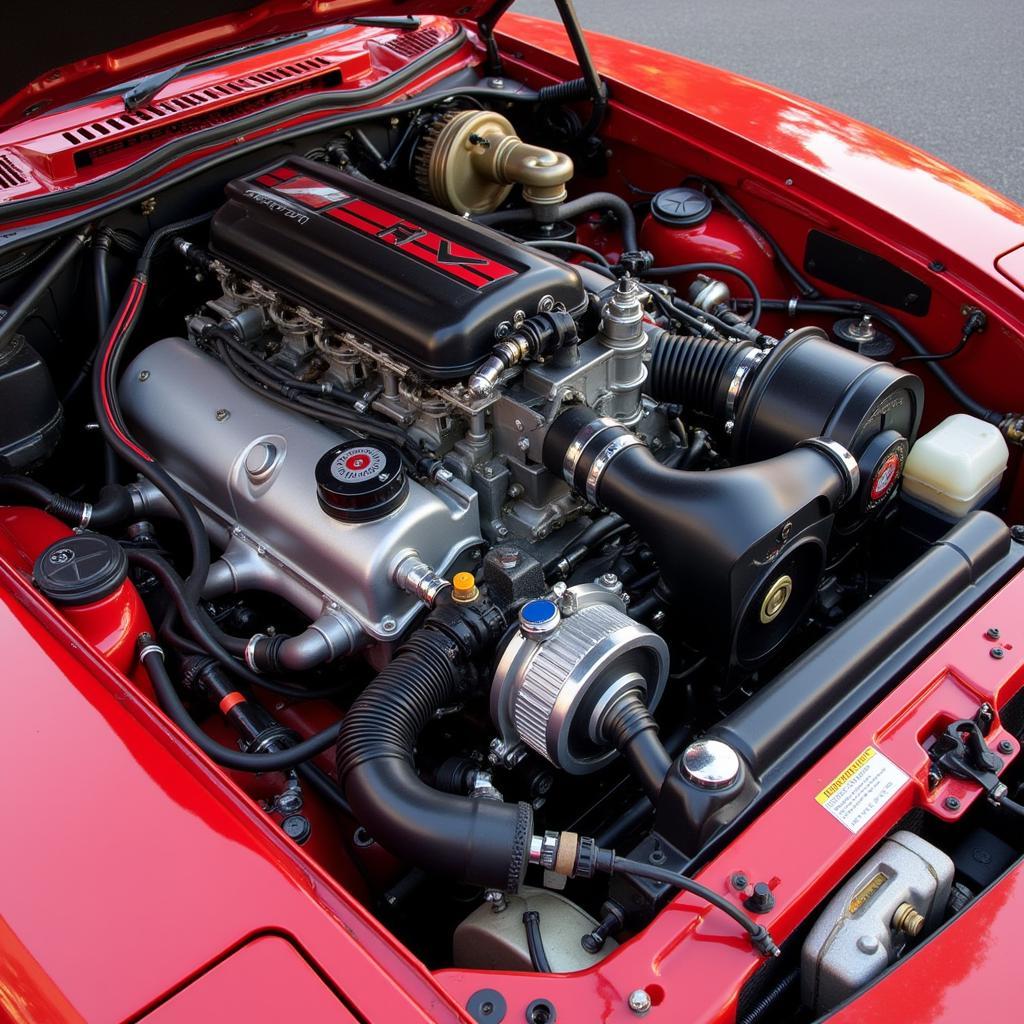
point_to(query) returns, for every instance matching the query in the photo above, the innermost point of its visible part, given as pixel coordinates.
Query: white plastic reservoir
(957, 466)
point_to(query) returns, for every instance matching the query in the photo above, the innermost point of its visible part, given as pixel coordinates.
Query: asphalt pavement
(946, 75)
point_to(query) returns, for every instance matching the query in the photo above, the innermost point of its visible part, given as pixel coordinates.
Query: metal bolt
(497, 83)
(497, 900)
(739, 881)
(1017, 533)
(608, 579)
(519, 424)
(388, 624)
(502, 531)
(952, 803)
(222, 415)
(997, 653)
(639, 1002)
(523, 444)
(143, 375)
(992, 633)
(508, 559)
(1005, 747)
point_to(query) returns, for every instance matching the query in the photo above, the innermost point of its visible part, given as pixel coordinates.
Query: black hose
(209, 638)
(717, 268)
(631, 728)
(535, 943)
(600, 531)
(564, 92)
(28, 300)
(557, 243)
(595, 86)
(101, 288)
(476, 840)
(585, 204)
(600, 201)
(152, 659)
(638, 869)
(770, 999)
(690, 370)
(114, 504)
(294, 396)
(844, 307)
(104, 391)
(325, 786)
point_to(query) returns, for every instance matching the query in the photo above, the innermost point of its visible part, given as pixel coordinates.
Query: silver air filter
(569, 664)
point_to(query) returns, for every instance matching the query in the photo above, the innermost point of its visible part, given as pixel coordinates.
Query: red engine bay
(496, 553)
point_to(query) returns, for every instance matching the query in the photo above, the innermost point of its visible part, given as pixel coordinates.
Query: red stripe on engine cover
(457, 261)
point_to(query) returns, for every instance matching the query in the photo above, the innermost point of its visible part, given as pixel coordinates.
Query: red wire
(135, 293)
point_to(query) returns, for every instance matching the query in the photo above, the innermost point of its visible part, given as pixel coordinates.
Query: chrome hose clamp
(580, 441)
(842, 459)
(605, 456)
(752, 358)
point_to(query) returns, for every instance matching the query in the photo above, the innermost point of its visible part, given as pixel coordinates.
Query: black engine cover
(427, 285)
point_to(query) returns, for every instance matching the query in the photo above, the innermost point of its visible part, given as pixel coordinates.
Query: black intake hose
(114, 505)
(775, 397)
(480, 841)
(744, 546)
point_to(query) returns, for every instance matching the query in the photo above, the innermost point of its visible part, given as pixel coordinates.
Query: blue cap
(538, 616)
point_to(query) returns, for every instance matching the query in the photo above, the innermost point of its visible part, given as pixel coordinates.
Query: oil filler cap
(80, 569)
(360, 481)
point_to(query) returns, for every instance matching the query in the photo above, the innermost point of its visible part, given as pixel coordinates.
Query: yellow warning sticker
(862, 789)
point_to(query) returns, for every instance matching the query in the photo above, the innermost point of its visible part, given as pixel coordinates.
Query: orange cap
(464, 588)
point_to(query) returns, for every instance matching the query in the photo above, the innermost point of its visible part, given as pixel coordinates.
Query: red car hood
(105, 42)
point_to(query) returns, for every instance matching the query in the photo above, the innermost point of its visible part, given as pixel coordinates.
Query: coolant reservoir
(957, 466)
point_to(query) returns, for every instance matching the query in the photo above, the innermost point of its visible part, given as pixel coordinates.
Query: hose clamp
(605, 456)
(751, 359)
(250, 650)
(150, 649)
(580, 441)
(842, 459)
(86, 517)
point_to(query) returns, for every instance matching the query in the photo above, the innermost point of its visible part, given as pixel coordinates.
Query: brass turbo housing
(469, 160)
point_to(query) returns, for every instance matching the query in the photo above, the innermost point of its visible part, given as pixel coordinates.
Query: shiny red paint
(92, 73)
(157, 866)
(84, 143)
(696, 957)
(226, 992)
(130, 865)
(795, 165)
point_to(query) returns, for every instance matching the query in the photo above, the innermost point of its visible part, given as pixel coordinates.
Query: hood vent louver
(102, 130)
(10, 175)
(412, 44)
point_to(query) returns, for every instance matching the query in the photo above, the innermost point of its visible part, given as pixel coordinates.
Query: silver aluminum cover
(203, 425)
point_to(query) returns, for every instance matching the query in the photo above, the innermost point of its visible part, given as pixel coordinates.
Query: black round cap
(80, 569)
(360, 481)
(681, 207)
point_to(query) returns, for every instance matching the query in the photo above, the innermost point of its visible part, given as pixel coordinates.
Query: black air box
(427, 285)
